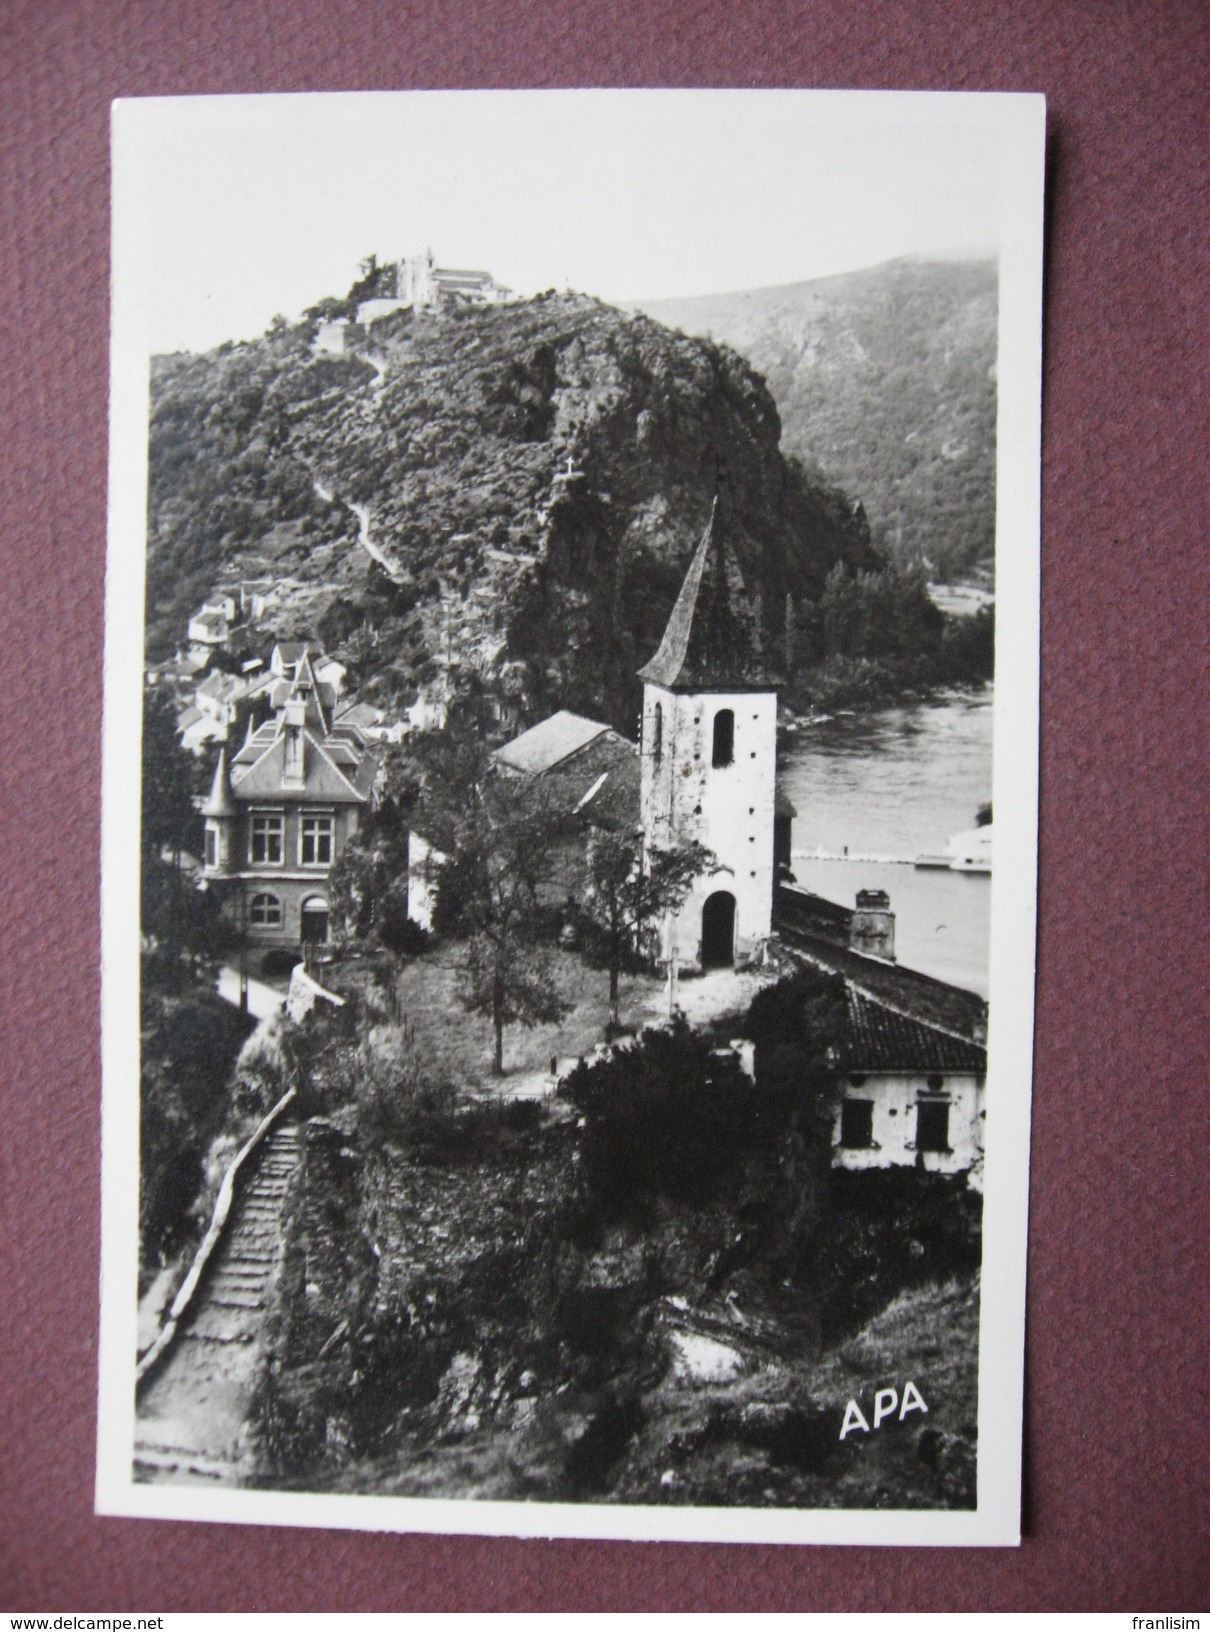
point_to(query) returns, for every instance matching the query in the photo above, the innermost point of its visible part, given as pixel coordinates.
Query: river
(896, 783)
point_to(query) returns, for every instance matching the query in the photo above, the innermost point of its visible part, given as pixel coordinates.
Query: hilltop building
(282, 809)
(709, 759)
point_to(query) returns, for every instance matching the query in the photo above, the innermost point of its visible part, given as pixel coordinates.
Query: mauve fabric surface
(1117, 1449)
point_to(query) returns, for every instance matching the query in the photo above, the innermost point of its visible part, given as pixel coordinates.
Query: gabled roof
(878, 1038)
(712, 642)
(600, 786)
(549, 743)
(817, 930)
(288, 652)
(322, 779)
(222, 687)
(319, 699)
(359, 715)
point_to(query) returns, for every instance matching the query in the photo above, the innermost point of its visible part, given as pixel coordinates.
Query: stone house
(281, 810)
(913, 1056)
(914, 1095)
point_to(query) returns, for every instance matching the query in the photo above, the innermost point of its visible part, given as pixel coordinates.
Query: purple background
(1117, 1449)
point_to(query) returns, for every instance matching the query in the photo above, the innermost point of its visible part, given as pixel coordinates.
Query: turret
(222, 814)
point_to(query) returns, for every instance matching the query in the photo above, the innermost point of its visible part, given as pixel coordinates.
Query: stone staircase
(193, 1410)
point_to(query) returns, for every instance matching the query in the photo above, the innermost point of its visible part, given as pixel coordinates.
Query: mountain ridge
(884, 378)
(538, 474)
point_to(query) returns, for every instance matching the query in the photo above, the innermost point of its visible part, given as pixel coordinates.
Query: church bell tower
(709, 758)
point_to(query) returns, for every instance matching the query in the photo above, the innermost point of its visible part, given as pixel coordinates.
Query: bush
(189, 1045)
(397, 1103)
(667, 1116)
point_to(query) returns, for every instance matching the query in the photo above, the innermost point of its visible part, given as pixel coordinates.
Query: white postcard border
(1018, 122)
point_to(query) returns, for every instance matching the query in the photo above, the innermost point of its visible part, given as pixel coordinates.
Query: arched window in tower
(657, 733)
(724, 737)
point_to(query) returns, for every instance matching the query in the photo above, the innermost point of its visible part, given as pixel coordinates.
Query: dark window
(316, 841)
(267, 839)
(657, 733)
(265, 912)
(857, 1124)
(724, 737)
(933, 1125)
(211, 847)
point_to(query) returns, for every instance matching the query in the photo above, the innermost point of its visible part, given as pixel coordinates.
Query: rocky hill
(885, 382)
(442, 442)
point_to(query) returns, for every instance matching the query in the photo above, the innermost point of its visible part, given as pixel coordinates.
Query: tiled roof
(712, 642)
(360, 714)
(600, 786)
(549, 743)
(882, 1039)
(818, 930)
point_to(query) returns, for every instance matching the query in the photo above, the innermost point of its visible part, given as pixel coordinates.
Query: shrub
(397, 1103)
(667, 1116)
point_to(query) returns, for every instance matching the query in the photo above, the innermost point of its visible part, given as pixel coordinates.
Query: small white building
(209, 630)
(330, 337)
(218, 697)
(424, 865)
(426, 713)
(914, 1095)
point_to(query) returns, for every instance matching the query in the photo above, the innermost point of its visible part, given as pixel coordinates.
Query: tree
(371, 871)
(626, 895)
(493, 837)
(169, 818)
(509, 977)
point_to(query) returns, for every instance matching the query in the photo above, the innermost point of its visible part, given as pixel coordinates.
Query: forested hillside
(885, 381)
(454, 433)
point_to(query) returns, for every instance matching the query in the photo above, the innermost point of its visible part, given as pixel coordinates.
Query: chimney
(872, 926)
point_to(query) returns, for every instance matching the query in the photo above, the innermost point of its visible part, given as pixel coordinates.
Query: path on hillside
(192, 1413)
(362, 512)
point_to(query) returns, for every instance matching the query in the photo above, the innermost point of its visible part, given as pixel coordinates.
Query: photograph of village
(566, 853)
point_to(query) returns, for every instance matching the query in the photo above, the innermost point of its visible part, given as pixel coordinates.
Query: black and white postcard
(570, 812)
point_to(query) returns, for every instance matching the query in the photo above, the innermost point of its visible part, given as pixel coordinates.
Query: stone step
(221, 1338)
(236, 1300)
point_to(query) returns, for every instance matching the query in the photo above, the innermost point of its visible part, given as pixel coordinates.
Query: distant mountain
(453, 432)
(885, 380)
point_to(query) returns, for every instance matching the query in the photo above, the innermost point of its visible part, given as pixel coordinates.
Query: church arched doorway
(718, 930)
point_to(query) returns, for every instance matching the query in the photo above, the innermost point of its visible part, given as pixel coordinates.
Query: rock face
(885, 380)
(536, 476)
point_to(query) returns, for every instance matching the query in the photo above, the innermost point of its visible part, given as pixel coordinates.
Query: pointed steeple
(712, 642)
(221, 801)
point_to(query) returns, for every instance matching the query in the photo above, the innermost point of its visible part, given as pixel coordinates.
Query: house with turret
(282, 808)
